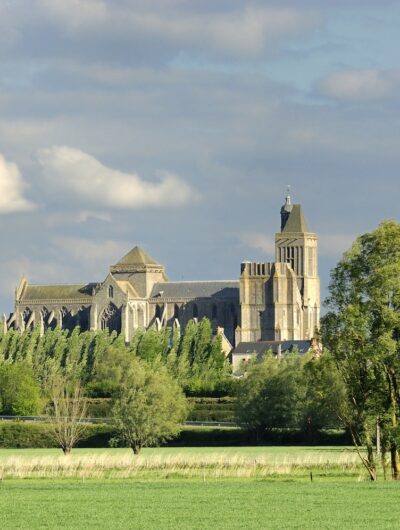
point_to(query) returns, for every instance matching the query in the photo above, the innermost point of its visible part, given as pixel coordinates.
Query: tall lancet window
(290, 256)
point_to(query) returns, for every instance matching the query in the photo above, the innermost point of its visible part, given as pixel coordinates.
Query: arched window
(195, 311)
(110, 291)
(214, 312)
(111, 318)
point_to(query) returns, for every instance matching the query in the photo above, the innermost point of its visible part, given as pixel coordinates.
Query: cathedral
(277, 301)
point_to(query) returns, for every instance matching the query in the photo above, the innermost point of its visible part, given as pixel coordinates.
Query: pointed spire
(286, 208)
(288, 200)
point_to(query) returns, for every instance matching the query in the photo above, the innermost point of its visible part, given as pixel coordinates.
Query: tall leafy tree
(362, 329)
(151, 407)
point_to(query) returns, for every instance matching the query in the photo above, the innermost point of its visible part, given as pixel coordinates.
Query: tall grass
(213, 465)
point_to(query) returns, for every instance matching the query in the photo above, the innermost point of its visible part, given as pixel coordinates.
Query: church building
(276, 301)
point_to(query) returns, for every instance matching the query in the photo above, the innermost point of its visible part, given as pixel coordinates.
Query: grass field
(193, 488)
(195, 504)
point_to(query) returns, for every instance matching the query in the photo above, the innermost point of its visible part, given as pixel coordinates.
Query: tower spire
(288, 200)
(286, 208)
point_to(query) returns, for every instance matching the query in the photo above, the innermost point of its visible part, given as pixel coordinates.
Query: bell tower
(298, 247)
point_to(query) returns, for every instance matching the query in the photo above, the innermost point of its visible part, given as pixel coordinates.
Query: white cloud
(259, 242)
(80, 174)
(244, 32)
(37, 271)
(236, 29)
(11, 188)
(359, 85)
(95, 255)
(75, 14)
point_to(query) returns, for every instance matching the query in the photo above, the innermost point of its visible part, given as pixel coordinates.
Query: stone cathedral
(276, 301)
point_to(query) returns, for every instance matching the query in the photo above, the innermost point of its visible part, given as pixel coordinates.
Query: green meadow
(190, 488)
(197, 504)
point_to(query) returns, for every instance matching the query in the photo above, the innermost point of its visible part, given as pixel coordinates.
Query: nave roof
(197, 289)
(59, 292)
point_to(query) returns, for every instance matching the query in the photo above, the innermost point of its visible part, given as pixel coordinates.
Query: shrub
(19, 392)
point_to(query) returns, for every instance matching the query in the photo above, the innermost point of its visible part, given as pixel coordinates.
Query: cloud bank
(83, 176)
(231, 29)
(11, 188)
(360, 85)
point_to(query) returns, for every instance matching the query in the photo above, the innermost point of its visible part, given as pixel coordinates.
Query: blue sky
(177, 124)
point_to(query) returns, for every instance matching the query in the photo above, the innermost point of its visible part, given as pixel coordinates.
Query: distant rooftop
(137, 256)
(262, 347)
(58, 292)
(197, 289)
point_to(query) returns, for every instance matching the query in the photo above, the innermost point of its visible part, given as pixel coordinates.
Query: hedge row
(99, 407)
(212, 409)
(14, 434)
(201, 409)
(25, 435)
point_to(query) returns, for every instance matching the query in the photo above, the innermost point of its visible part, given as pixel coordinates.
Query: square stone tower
(298, 247)
(281, 300)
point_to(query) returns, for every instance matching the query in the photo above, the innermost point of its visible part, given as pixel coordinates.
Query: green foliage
(324, 395)
(272, 394)
(101, 360)
(99, 407)
(202, 363)
(150, 409)
(110, 367)
(19, 392)
(25, 435)
(362, 329)
(296, 395)
(153, 344)
(212, 409)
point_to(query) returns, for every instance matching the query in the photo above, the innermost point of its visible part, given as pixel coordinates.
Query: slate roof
(261, 347)
(58, 292)
(296, 222)
(192, 290)
(137, 256)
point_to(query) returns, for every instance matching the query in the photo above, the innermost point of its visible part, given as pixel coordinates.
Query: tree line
(355, 384)
(100, 360)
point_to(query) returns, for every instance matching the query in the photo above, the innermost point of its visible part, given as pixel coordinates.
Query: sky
(176, 125)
